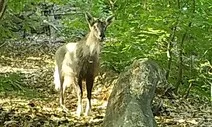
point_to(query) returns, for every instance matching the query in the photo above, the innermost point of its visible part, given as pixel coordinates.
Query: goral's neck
(93, 43)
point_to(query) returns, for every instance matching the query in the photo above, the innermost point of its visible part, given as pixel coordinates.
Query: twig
(3, 44)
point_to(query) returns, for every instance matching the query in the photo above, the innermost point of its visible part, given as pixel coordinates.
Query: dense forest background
(174, 33)
(177, 34)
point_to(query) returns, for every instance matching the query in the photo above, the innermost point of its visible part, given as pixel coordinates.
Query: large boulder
(130, 102)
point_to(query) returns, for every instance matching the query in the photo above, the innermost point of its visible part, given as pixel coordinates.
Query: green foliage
(141, 29)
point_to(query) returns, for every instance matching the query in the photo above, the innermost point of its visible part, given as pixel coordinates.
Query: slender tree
(3, 5)
(181, 47)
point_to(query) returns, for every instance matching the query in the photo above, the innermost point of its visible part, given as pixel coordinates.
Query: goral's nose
(102, 36)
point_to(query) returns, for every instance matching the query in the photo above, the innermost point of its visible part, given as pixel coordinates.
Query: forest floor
(28, 98)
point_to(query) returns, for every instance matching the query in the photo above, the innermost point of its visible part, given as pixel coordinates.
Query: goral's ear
(109, 20)
(89, 18)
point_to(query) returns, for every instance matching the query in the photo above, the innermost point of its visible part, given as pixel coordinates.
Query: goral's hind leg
(67, 82)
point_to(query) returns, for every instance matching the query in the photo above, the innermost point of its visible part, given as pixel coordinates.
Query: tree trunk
(169, 52)
(130, 102)
(180, 63)
(3, 4)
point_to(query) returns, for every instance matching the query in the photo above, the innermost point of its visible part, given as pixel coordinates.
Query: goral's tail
(57, 78)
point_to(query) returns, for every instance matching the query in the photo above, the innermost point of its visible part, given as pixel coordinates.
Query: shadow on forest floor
(12, 85)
